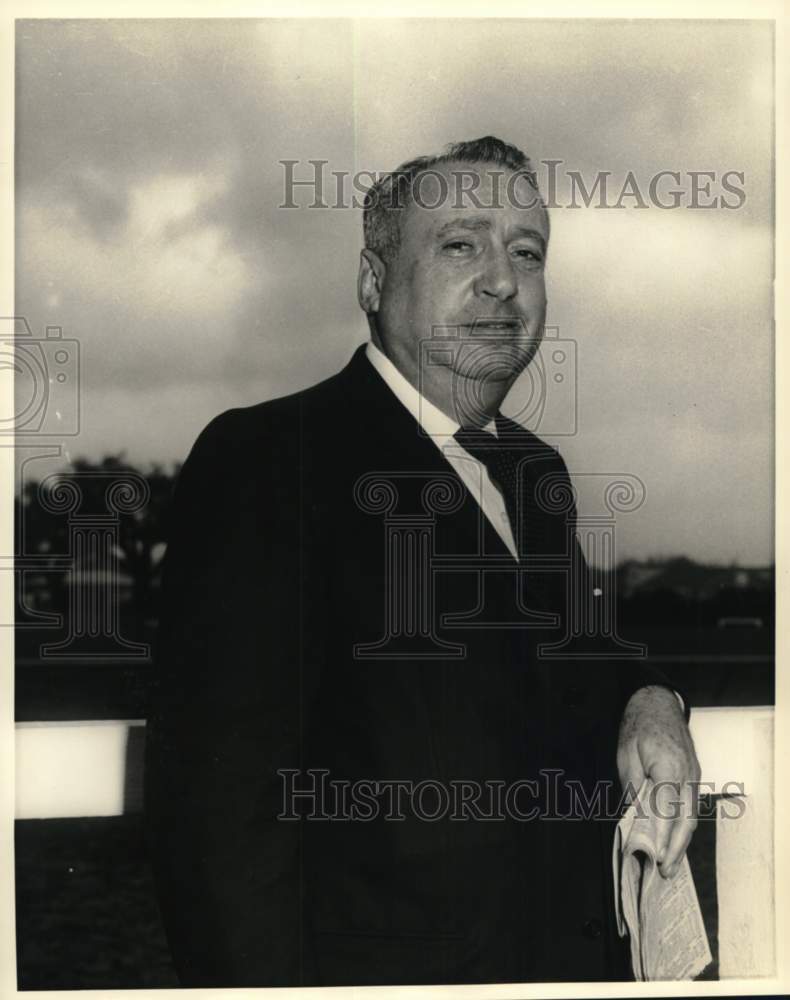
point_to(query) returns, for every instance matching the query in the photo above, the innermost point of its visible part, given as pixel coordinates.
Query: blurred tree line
(43, 541)
(668, 593)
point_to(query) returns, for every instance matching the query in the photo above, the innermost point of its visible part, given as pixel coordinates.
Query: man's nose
(498, 278)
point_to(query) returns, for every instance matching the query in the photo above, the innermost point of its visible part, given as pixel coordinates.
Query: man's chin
(502, 365)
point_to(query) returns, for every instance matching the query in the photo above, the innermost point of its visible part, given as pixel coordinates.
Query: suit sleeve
(223, 718)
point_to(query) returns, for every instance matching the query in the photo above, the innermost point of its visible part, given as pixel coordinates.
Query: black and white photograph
(390, 539)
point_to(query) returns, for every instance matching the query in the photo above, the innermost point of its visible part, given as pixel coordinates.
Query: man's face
(469, 276)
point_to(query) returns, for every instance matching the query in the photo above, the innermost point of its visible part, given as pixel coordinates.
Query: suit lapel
(390, 441)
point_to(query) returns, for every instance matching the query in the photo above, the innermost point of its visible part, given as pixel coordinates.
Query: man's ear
(370, 282)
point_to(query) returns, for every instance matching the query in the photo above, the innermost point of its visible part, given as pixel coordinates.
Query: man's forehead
(484, 192)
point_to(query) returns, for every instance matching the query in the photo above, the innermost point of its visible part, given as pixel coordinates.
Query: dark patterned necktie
(515, 464)
(502, 462)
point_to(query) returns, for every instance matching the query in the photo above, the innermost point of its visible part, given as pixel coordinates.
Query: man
(364, 581)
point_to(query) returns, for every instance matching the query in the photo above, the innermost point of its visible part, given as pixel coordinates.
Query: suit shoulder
(535, 444)
(271, 419)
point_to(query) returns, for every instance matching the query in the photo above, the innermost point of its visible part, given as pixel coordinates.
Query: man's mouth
(506, 323)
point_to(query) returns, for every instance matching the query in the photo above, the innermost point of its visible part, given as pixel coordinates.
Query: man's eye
(457, 246)
(528, 254)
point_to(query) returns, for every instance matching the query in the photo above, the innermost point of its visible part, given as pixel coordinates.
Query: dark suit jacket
(275, 596)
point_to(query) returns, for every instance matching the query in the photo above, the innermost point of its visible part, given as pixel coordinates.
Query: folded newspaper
(661, 916)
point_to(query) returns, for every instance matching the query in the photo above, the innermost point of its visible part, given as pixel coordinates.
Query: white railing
(71, 769)
(75, 769)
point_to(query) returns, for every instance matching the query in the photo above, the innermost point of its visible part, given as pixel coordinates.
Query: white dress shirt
(441, 429)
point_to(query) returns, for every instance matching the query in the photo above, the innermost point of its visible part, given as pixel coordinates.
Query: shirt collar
(433, 421)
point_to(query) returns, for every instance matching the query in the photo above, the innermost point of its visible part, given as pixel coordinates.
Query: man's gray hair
(391, 194)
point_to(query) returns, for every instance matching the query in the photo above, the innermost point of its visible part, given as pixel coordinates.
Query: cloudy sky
(148, 227)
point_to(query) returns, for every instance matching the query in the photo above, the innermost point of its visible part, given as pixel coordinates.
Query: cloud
(148, 226)
(670, 309)
(150, 301)
(671, 316)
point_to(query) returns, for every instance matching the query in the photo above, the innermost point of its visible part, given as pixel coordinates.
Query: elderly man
(365, 765)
